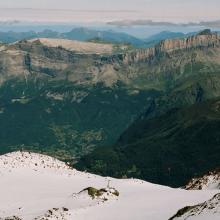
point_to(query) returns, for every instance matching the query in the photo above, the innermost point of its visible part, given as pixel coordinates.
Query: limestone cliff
(201, 40)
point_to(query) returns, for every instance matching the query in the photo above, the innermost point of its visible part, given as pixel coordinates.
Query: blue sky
(184, 10)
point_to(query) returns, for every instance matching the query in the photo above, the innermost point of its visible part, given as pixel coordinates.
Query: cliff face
(211, 40)
(157, 68)
(202, 40)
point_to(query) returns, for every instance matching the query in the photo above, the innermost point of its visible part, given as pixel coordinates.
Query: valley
(67, 99)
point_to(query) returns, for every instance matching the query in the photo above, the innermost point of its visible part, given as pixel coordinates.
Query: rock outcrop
(211, 180)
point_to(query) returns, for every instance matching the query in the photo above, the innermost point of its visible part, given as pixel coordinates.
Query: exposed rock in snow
(11, 218)
(33, 186)
(103, 194)
(210, 180)
(209, 210)
(55, 213)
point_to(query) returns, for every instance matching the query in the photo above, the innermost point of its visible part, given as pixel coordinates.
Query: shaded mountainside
(66, 102)
(169, 149)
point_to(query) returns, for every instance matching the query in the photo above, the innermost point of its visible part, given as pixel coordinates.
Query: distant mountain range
(86, 34)
(81, 34)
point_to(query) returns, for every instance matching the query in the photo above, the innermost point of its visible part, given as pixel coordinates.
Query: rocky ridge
(202, 40)
(89, 62)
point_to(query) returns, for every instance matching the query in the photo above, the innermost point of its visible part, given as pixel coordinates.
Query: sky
(91, 10)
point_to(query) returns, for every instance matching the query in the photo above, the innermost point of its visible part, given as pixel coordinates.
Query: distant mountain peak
(205, 32)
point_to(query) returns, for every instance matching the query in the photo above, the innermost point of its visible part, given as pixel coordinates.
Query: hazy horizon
(96, 15)
(103, 11)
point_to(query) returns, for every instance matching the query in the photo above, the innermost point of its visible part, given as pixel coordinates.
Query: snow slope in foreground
(33, 186)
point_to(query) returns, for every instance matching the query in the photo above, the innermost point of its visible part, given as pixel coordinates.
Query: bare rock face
(210, 40)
